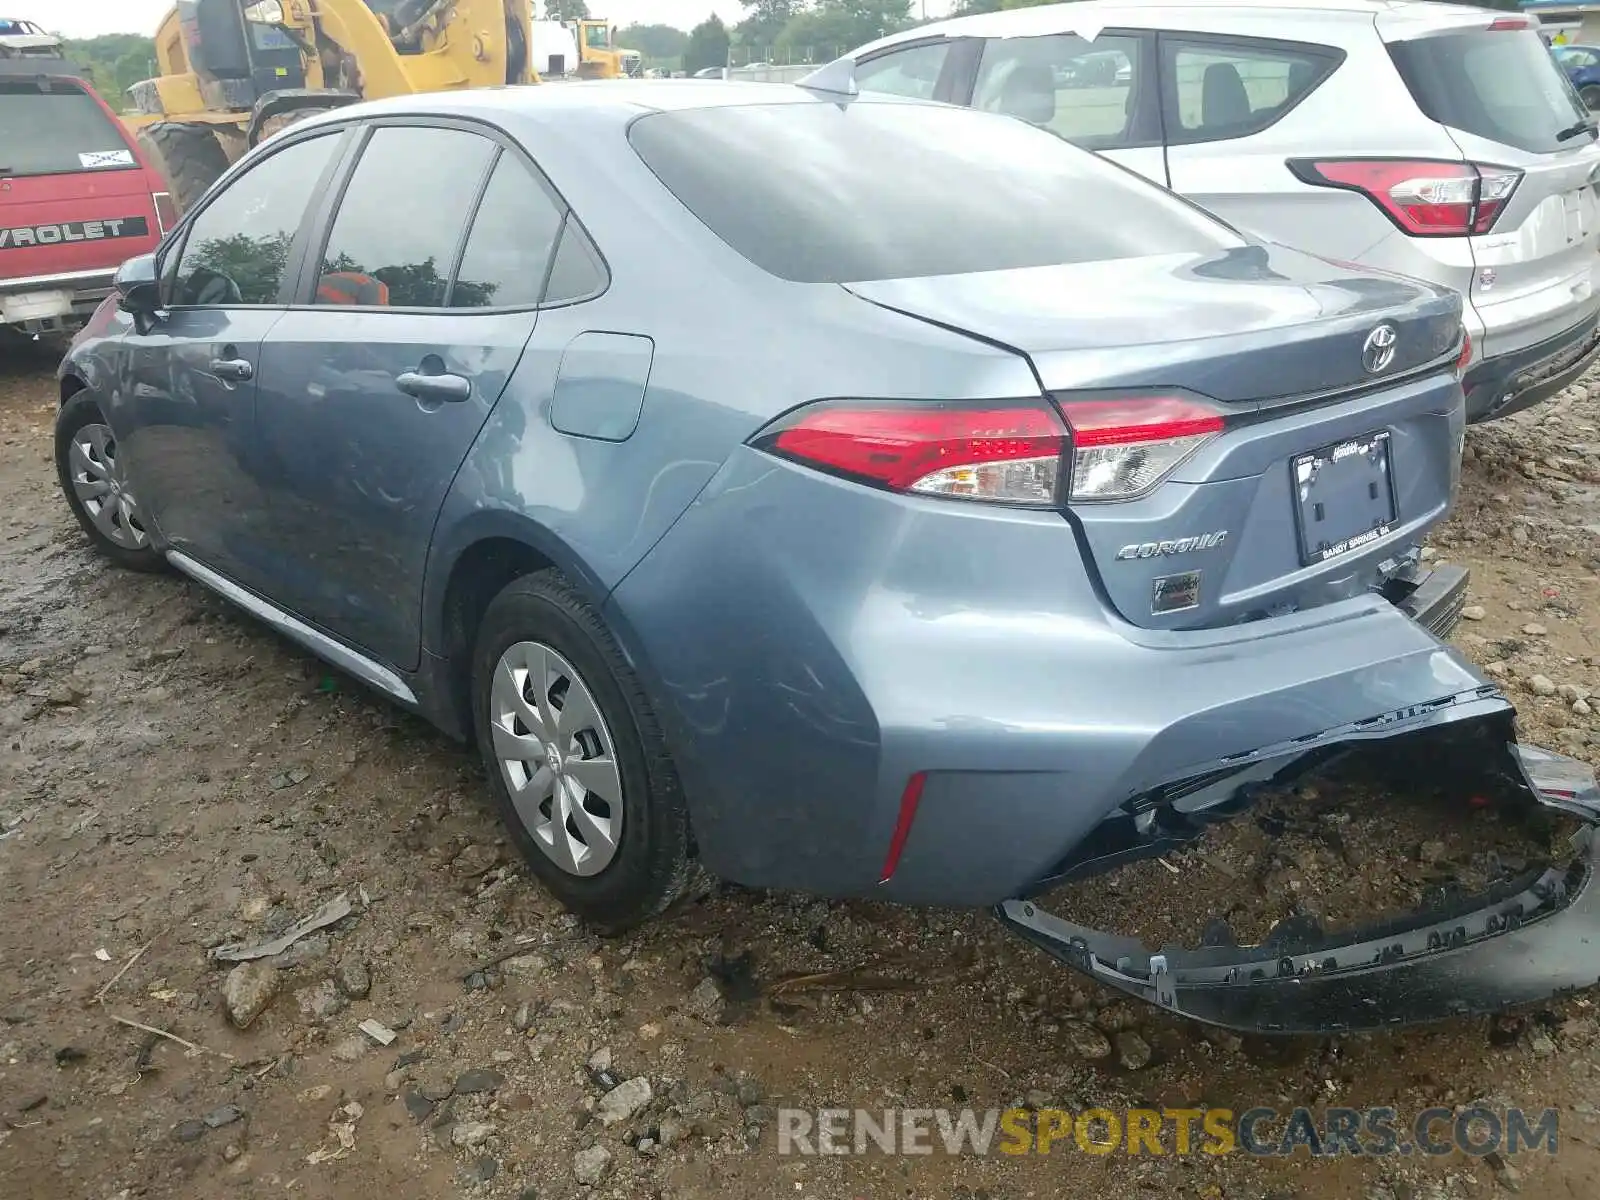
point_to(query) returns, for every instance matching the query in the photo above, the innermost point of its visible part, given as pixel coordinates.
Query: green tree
(707, 45)
(566, 10)
(764, 20)
(661, 45)
(835, 27)
(115, 62)
(249, 268)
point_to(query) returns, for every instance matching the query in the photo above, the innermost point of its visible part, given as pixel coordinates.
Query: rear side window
(1497, 84)
(402, 219)
(237, 247)
(1082, 90)
(829, 193)
(1219, 89)
(513, 236)
(912, 72)
(55, 127)
(578, 273)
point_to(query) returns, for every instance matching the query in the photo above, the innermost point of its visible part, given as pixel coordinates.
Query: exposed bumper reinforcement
(1523, 941)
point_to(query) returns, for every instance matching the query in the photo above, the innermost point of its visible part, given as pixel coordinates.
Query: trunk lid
(1252, 327)
(1325, 473)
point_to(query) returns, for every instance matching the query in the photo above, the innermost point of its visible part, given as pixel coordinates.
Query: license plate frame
(1343, 496)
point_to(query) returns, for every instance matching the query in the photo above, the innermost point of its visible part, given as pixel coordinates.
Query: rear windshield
(843, 193)
(1500, 84)
(56, 127)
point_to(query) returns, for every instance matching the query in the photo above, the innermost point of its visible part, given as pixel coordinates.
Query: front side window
(237, 248)
(1231, 89)
(401, 220)
(911, 72)
(598, 37)
(1080, 89)
(818, 193)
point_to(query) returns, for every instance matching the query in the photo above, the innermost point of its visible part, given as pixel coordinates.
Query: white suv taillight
(1423, 197)
(1123, 447)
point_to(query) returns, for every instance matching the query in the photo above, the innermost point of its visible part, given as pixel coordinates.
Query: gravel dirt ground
(173, 778)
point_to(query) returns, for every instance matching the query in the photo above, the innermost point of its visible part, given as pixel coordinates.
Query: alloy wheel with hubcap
(101, 487)
(557, 758)
(577, 762)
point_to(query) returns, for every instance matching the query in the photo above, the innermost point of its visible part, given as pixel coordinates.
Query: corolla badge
(1379, 349)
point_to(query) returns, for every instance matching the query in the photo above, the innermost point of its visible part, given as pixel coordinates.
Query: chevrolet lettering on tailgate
(74, 231)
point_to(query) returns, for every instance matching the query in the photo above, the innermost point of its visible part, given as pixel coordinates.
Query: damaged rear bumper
(1525, 940)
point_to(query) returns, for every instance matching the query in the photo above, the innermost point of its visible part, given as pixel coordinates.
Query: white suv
(1432, 140)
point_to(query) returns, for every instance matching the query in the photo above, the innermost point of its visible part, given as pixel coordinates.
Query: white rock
(1540, 685)
(471, 1133)
(589, 1166)
(625, 1101)
(1474, 612)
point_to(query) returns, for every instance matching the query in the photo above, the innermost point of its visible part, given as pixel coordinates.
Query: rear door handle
(446, 389)
(235, 370)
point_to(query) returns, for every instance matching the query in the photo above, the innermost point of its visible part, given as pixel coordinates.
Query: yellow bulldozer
(234, 71)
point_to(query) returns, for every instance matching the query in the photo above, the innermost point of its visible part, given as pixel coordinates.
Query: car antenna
(838, 78)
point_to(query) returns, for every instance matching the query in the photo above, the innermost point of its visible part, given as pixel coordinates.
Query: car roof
(620, 100)
(1088, 17)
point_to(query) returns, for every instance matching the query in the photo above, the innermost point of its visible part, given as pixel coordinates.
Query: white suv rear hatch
(1511, 110)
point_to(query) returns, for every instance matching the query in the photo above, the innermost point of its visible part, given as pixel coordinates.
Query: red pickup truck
(76, 196)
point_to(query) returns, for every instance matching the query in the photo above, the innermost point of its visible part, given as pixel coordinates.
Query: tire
(540, 619)
(273, 126)
(1590, 97)
(86, 462)
(188, 157)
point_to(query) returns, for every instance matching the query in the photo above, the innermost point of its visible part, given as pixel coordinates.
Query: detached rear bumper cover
(1524, 941)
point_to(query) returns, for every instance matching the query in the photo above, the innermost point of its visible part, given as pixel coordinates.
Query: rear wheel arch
(71, 385)
(498, 550)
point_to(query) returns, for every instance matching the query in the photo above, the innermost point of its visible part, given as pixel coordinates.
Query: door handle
(235, 370)
(446, 389)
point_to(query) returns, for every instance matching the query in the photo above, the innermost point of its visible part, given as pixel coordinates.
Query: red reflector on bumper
(909, 799)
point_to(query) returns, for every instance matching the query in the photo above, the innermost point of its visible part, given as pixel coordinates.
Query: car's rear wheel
(1591, 97)
(575, 756)
(98, 491)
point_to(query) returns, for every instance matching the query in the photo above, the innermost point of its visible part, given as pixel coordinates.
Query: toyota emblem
(1379, 349)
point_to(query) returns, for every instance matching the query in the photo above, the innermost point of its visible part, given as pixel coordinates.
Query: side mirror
(138, 287)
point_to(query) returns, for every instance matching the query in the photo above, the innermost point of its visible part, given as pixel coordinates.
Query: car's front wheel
(576, 758)
(1591, 96)
(97, 487)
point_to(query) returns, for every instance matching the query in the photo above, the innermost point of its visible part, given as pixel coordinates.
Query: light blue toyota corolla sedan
(847, 494)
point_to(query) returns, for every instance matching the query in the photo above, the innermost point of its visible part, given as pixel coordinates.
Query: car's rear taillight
(166, 211)
(1005, 452)
(1465, 357)
(1423, 197)
(1125, 446)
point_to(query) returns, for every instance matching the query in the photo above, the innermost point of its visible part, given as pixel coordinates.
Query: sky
(85, 18)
